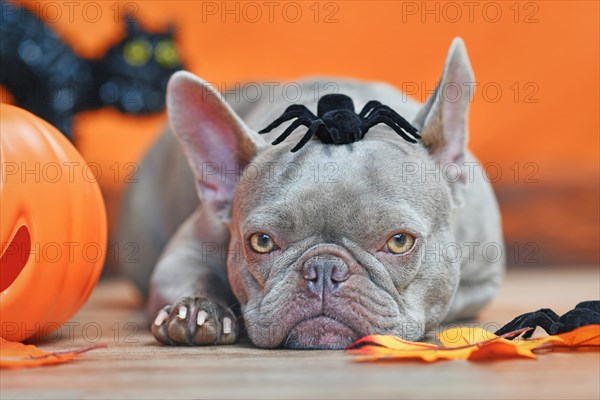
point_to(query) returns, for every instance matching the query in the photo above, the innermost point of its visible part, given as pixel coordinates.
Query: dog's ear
(217, 143)
(443, 119)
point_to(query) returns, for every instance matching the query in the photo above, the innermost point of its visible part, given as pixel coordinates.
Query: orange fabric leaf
(583, 338)
(380, 347)
(588, 335)
(19, 355)
(473, 344)
(488, 346)
(457, 344)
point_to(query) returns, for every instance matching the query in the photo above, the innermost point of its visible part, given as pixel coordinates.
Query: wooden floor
(135, 366)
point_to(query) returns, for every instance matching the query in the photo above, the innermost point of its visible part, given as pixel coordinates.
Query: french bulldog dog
(319, 247)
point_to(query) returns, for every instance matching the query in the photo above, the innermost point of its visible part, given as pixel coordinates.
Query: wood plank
(135, 366)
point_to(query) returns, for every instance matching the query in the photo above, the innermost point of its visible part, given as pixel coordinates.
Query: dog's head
(333, 242)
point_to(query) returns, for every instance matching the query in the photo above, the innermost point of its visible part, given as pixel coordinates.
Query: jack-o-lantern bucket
(52, 227)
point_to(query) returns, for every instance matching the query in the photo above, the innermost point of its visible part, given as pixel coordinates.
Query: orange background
(549, 50)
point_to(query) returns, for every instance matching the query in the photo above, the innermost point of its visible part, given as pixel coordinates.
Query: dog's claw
(226, 325)
(161, 317)
(215, 324)
(201, 317)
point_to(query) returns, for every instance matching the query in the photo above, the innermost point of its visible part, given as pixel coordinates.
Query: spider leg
(397, 118)
(368, 107)
(293, 111)
(383, 119)
(312, 129)
(288, 131)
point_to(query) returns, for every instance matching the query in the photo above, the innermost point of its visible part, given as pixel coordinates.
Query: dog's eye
(400, 243)
(262, 243)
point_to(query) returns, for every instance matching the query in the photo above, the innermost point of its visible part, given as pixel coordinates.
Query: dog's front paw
(195, 321)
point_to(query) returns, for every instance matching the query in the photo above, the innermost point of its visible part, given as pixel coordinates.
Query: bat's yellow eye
(137, 52)
(262, 243)
(400, 243)
(166, 54)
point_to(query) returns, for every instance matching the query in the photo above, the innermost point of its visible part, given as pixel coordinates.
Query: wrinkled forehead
(334, 183)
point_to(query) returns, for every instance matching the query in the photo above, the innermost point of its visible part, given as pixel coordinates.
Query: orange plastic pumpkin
(52, 228)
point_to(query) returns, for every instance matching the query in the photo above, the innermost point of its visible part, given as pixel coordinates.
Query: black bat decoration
(47, 77)
(336, 121)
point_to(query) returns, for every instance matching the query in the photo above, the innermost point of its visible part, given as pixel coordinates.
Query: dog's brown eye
(400, 243)
(262, 243)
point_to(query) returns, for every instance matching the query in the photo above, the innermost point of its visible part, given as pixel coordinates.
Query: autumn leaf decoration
(19, 355)
(473, 344)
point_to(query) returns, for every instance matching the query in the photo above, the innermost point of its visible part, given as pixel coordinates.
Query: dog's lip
(321, 332)
(322, 317)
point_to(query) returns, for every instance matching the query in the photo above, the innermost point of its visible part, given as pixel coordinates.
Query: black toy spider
(336, 121)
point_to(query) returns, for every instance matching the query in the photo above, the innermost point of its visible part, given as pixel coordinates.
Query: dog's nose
(325, 274)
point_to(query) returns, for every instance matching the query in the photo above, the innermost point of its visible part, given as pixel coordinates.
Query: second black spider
(337, 122)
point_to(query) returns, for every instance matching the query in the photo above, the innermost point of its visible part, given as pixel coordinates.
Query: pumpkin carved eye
(14, 257)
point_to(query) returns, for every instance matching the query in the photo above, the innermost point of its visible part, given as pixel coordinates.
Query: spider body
(337, 122)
